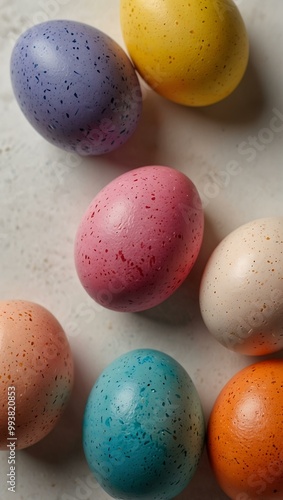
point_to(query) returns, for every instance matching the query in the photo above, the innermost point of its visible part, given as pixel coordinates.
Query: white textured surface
(44, 192)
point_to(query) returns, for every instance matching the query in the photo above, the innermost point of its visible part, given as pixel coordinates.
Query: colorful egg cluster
(143, 427)
(79, 90)
(143, 430)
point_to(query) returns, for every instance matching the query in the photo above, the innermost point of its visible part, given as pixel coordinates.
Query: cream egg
(241, 293)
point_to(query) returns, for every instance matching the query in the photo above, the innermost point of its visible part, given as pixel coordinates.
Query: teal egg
(143, 427)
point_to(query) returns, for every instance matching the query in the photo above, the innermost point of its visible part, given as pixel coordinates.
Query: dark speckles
(121, 256)
(140, 271)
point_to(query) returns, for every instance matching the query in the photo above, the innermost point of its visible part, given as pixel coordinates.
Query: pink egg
(139, 238)
(36, 373)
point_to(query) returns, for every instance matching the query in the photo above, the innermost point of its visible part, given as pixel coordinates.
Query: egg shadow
(142, 148)
(247, 101)
(182, 307)
(243, 106)
(65, 440)
(264, 357)
(203, 485)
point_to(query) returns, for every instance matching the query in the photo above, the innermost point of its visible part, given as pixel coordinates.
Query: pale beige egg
(241, 293)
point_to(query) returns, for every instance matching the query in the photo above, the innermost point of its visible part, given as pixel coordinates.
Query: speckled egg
(245, 433)
(241, 293)
(139, 238)
(36, 372)
(76, 86)
(193, 53)
(143, 428)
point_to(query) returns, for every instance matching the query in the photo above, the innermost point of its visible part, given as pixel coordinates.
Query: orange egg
(245, 433)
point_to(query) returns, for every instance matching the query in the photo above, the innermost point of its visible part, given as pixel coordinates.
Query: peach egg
(36, 373)
(245, 433)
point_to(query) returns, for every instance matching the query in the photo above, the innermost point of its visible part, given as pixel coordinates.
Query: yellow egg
(191, 52)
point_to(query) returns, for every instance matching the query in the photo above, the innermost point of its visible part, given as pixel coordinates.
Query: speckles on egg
(35, 358)
(194, 53)
(76, 86)
(143, 427)
(241, 294)
(139, 238)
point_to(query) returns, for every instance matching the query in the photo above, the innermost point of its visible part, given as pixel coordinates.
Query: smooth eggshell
(143, 428)
(193, 53)
(76, 86)
(35, 360)
(245, 433)
(139, 238)
(241, 293)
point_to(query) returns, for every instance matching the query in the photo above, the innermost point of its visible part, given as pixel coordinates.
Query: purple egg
(76, 86)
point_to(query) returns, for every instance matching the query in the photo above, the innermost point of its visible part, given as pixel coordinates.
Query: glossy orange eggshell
(245, 433)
